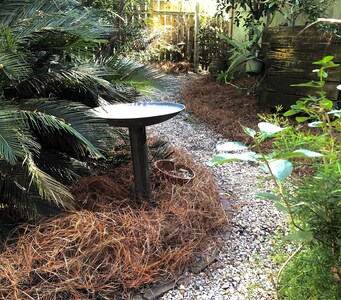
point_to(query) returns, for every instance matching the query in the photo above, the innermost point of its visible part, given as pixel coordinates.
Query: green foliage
(240, 53)
(51, 73)
(310, 9)
(247, 11)
(308, 276)
(317, 107)
(314, 203)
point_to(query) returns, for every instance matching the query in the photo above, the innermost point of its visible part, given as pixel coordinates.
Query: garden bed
(224, 107)
(115, 244)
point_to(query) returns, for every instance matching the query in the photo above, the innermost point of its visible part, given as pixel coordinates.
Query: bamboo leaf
(281, 207)
(300, 236)
(300, 153)
(267, 196)
(313, 84)
(291, 112)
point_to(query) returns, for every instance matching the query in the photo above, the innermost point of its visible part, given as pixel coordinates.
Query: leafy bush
(314, 204)
(308, 276)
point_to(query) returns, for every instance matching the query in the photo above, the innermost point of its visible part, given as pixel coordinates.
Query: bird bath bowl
(136, 116)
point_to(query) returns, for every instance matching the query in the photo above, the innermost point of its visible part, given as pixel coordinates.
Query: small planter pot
(177, 173)
(254, 66)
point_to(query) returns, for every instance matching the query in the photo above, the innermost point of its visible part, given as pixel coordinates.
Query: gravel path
(243, 268)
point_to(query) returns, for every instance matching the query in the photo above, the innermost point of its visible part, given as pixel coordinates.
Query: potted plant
(244, 54)
(249, 14)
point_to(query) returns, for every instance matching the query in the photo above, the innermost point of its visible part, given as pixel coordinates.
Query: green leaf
(267, 196)
(300, 153)
(302, 119)
(281, 169)
(314, 84)
(269, 129)
(231, 146)
(300, 236)
(325, 103)
(281, 207)
(330, 65)
(51, 124)
(324, 60)
(249, 131)
(291, 112)
(228, 157)
(323, 73)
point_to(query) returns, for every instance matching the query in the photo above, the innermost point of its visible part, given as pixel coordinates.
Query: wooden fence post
(196, 33)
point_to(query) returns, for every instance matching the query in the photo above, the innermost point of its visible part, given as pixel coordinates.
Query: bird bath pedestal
(136, 116)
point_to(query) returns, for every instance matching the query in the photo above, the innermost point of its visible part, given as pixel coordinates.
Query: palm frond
(19, 196)
(14, 137)
(61, 167)
(75, 85)
(48, 187)
(130, 72)
(31, 20)
(95, 130)
(48, 124)
(13, 66)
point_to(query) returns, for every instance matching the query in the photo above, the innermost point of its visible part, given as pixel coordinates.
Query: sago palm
(51, 73)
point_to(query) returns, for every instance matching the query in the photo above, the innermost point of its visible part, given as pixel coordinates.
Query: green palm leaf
(48, 187)
(45, 123)
(13, 66)
(19, 192)
(14, 137)
(95, 130)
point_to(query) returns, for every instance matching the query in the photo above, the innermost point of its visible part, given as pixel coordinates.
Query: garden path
(244, 267)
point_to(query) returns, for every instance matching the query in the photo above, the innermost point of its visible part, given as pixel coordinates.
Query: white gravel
(244, 266)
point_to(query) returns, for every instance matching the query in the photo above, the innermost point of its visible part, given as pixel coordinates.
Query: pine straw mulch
(114, 245)
(225, 107)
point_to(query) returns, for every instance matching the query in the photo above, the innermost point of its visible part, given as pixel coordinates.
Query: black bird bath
(136, 116)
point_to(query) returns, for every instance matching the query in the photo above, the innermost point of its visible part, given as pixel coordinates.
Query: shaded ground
(225, 107)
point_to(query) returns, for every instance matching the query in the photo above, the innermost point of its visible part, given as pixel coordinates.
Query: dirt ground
(224, 107)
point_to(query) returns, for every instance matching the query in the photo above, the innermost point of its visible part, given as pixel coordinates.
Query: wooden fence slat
(288, 59)
(176, 24)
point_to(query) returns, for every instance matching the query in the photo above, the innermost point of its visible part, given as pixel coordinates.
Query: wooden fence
(288, 55)
(184, 30)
